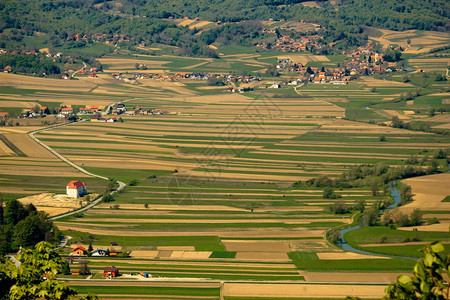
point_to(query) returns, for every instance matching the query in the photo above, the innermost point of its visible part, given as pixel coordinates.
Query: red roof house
(76, 189)
(110, 272)
(67, 110)
(79, 250)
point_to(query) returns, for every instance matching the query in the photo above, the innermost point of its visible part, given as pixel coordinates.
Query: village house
(76, 189)
(121, 108)
(84, 110)
(110, 272)
(3, 114)
(79, 250)
(67, 110)
(94, 108)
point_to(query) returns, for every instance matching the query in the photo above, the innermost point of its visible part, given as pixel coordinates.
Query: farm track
(70, 163)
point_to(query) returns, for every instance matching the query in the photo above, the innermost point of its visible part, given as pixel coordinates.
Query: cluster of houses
(62, 112)
(82, 251)
(121, 109)
(135, 76)
(113, 39)
(108, 272)
(363, 61)
(43, 51)
(67, 111)
(92, 72)
(286, 43)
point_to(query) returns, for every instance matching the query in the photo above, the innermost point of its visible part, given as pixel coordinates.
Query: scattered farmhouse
(110, 272)
(79, 250)
(94, 108)
(67, 111)
(3, 114)
(121, 108)
(76, 189)
(84, 110)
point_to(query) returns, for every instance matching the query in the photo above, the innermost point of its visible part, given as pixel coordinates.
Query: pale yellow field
(27, 145)
(351, 277)
(23, 104)
(315, 291)
(48, 84)
(421, 43)
(5, 150)
(304, 58)
(345, 255)
(372, 82)
(396, 113)
(199, 24)
(117, 64)
(310, 4)
(442, 226)
(186, 22)
(428, 193)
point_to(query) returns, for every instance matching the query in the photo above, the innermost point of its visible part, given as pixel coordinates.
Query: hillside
(55, 22)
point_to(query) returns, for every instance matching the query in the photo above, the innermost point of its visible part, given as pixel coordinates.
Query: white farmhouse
(76, 189)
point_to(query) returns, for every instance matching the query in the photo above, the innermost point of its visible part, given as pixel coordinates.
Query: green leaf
(419, 270)
(424, 287)
(428, 261)
(404, 280)
(437, 247)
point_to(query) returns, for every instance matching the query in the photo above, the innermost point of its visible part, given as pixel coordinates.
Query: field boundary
(11, 146)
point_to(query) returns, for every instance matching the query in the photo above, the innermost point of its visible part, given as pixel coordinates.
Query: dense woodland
(24, 226)
(148, 20)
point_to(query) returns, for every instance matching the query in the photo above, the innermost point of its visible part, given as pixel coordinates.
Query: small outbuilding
(76, 189)
(110, 272)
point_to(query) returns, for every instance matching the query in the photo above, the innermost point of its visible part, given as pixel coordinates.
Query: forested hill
(397, 15)
(149, 20)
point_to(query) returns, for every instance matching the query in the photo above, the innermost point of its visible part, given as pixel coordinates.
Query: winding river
(395, 193)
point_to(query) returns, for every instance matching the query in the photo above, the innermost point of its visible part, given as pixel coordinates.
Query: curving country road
(67, 161)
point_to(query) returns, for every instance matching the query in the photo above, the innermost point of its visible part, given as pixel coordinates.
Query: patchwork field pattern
(217, 184)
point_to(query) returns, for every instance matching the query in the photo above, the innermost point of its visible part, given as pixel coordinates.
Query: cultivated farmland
(218, 183)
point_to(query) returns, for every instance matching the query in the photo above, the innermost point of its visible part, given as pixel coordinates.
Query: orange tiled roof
(74, 184)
